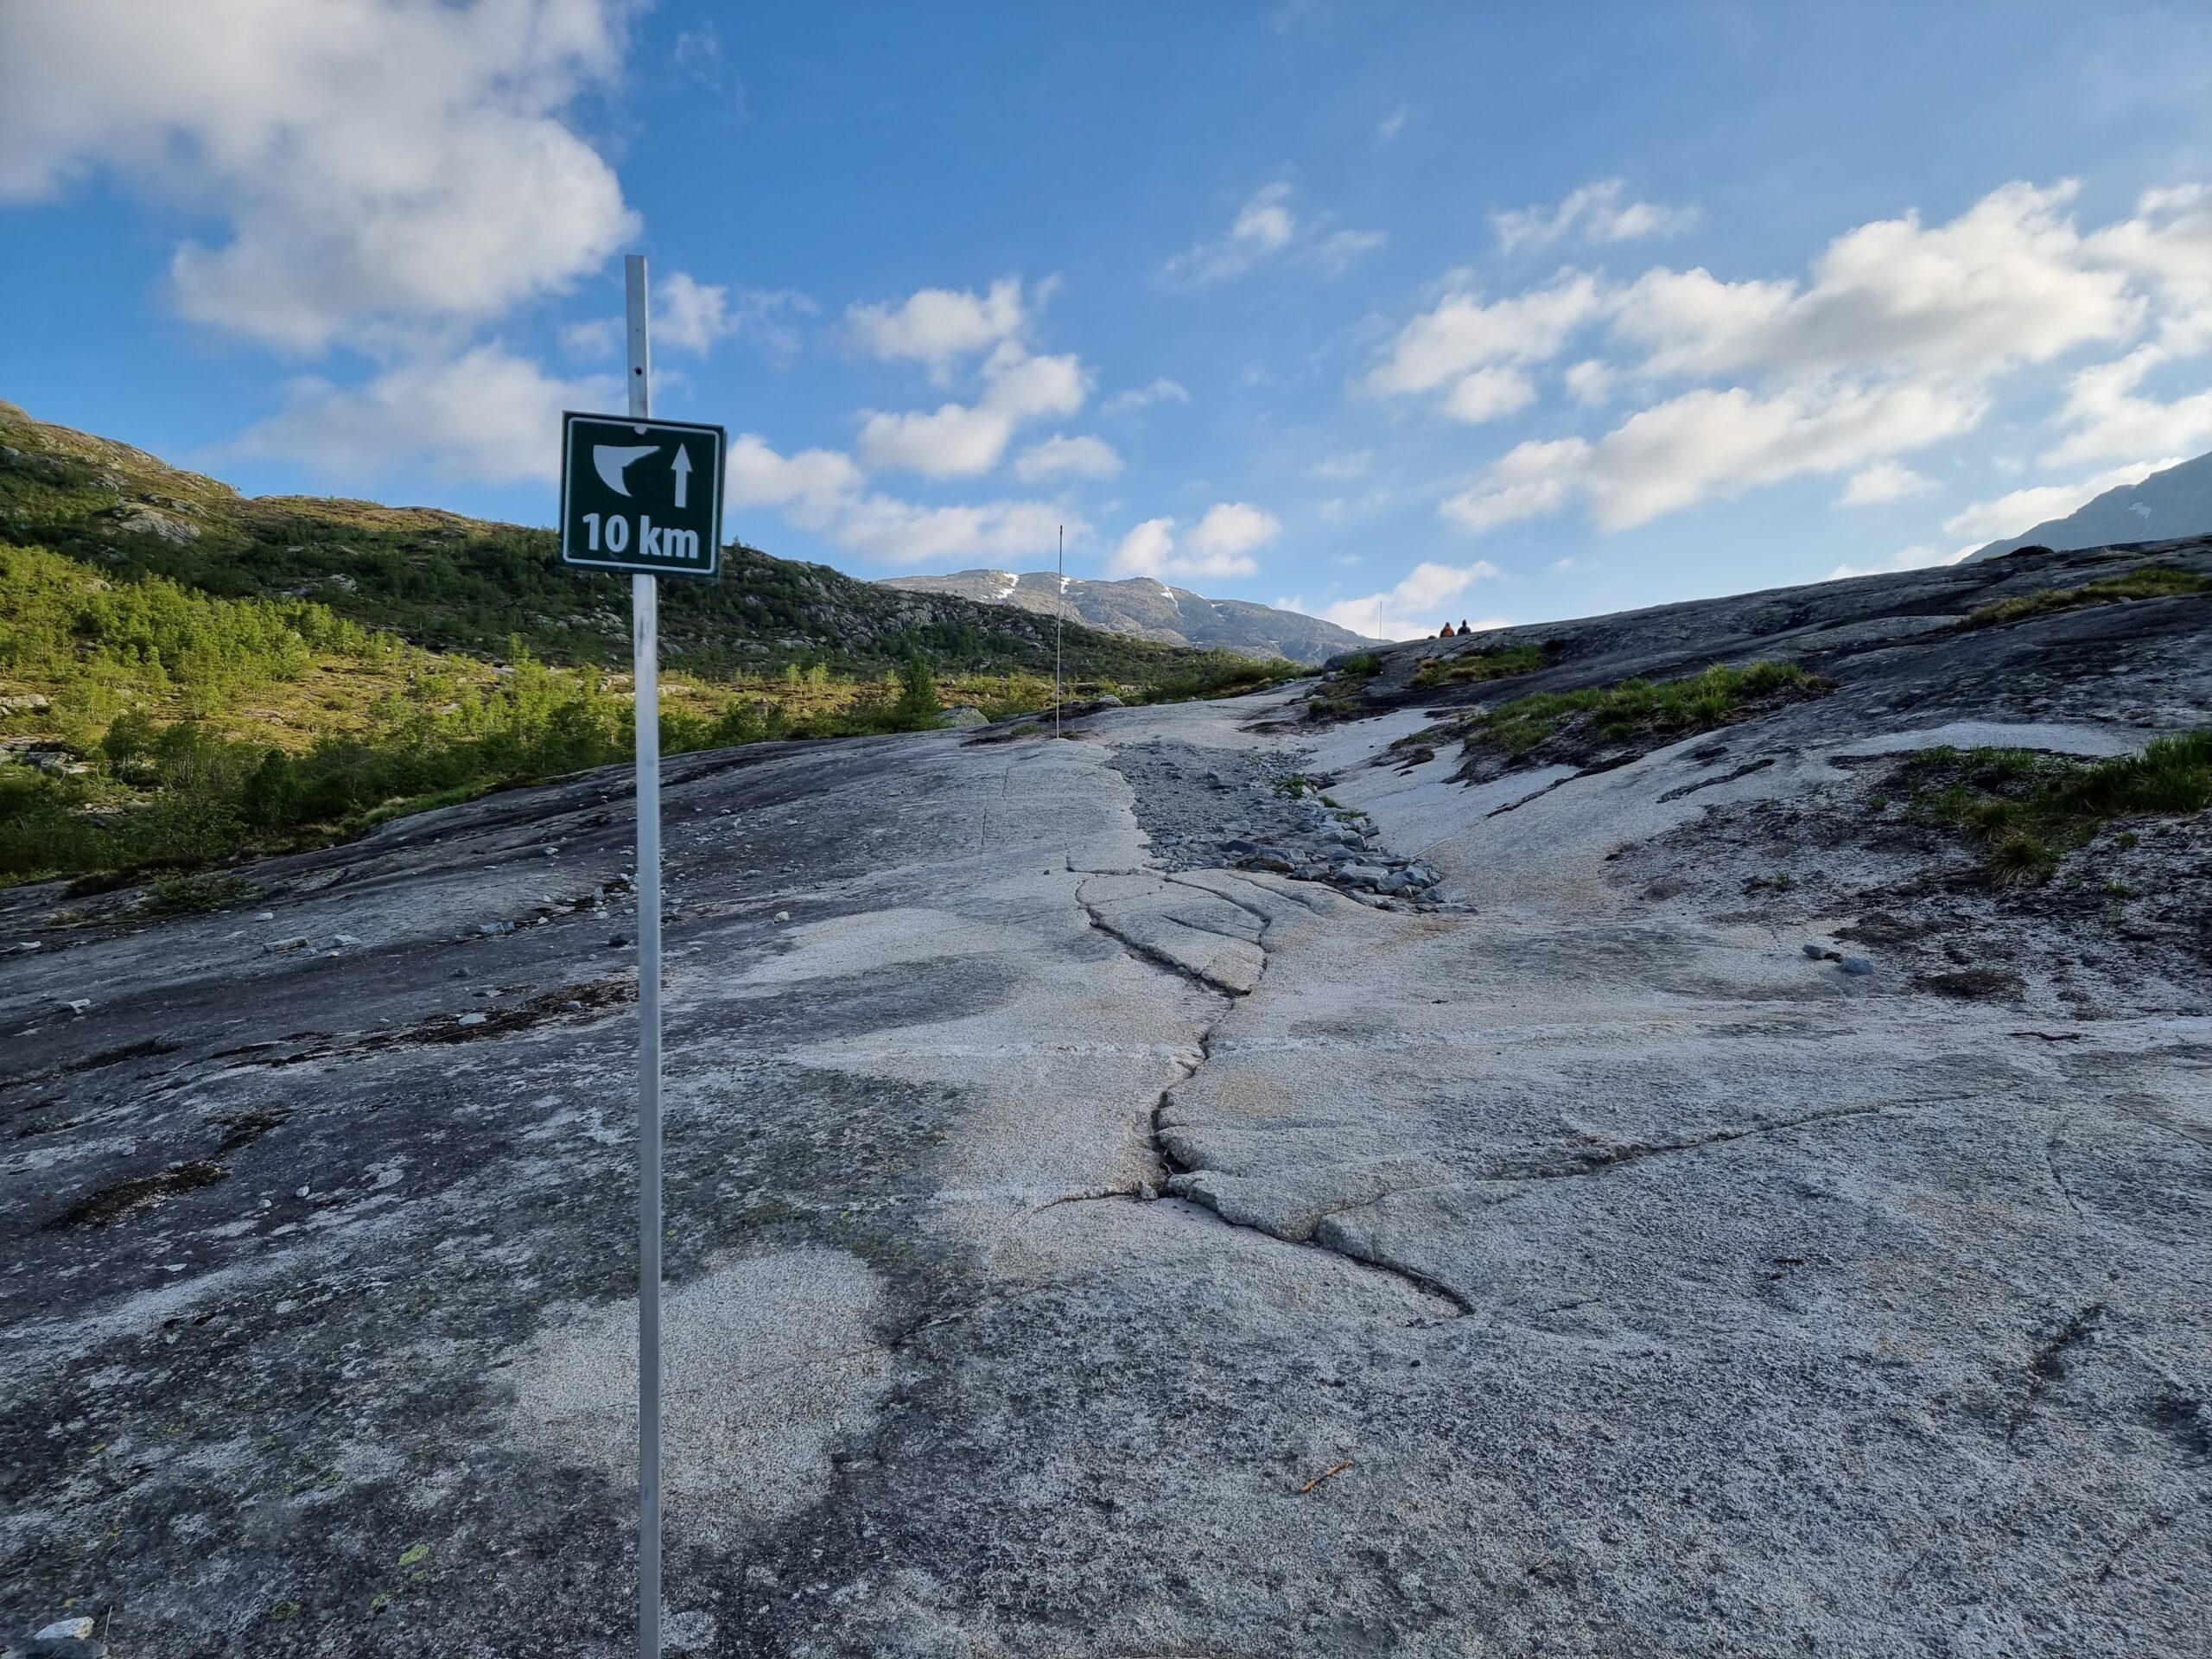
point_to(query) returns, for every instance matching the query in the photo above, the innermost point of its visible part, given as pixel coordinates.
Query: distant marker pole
(1059, 616)
(645, 655)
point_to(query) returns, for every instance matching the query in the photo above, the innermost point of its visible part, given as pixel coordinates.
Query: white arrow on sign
(609, 460)
(682, 465)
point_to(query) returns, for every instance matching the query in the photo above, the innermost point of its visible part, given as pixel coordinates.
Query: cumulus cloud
(1415, 605)
(2110, 415)
(690, 316)
(1891, 341)
(1983, 522)
(902, 533)
(1711, 442)
(375, 163)
(1596, 213)
(1084, 457)
(2009, 281)
(1219, 544)
(958, 440)
(937, 325)
(1462, 335)
(1489, 395)
(486, 415)
(1266, 228)
(814, 481)
(1162, 391)
(1916, 558)
(1232, 528)
(1885, 480)
(822, 490)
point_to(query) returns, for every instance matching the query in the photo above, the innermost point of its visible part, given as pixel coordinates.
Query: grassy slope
(454, 583)
(196, 674)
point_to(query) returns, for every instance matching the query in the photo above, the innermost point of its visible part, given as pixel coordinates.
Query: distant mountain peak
(1148, 608)
(2168, 505)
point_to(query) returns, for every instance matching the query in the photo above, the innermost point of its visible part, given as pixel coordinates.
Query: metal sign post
(644, 496)
(645, 657)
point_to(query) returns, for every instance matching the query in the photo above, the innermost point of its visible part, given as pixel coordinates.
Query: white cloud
(1415, 606)
(1265, 226)
(1885, 480)
(1145, 551)
(1890, 342)
(939, 324)
(902, 533)
(1232, 528)
(2006, 281)
(1982, 522)
(485, 416)
(2110, 416)
(962, 439)
(821, 489)
(1590, 382)
(1918, 558)
(690, 316)
(1597, 214)
(1490, 395)
(1349, 463)
(1219, 544)
(1390, 125)
(1709, 442)
(1335, 253)
(1461, 334)
(1084, 456)
(1160, 391)
(813, 481)
(376, 163)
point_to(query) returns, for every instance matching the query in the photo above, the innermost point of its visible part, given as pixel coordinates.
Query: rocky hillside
(1678, 1133)
(1150, 610)
(2173, 503)
(452, 583)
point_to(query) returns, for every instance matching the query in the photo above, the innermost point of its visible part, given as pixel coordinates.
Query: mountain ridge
(449, 581)
(1146, 608)
(2174, 502)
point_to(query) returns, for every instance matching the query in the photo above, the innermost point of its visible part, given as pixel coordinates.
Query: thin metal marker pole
(1059, 615)
(645, 656)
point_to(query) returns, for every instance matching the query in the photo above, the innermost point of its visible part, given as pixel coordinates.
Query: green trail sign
(641, 494)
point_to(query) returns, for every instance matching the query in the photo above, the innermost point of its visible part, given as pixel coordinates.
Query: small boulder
(277, 946)
(962, 715)
(1856, 965)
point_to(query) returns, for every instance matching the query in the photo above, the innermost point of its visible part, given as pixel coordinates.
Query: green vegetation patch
(2026, 811)
(2152, 581)
(1630, 710)
(1473, 667)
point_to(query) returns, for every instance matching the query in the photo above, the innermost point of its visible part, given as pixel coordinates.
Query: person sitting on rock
(1464, 629)
(1446, 634)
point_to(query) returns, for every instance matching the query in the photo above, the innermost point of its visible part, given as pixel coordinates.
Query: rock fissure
(1176, 1177)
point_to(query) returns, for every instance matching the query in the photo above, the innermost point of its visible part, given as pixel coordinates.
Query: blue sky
(1392, 312)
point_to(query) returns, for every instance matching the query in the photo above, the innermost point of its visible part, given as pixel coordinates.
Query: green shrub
(190, 895)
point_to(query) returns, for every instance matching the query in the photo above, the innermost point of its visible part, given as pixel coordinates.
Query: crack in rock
(2047, 1365)
(1176, 1177)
